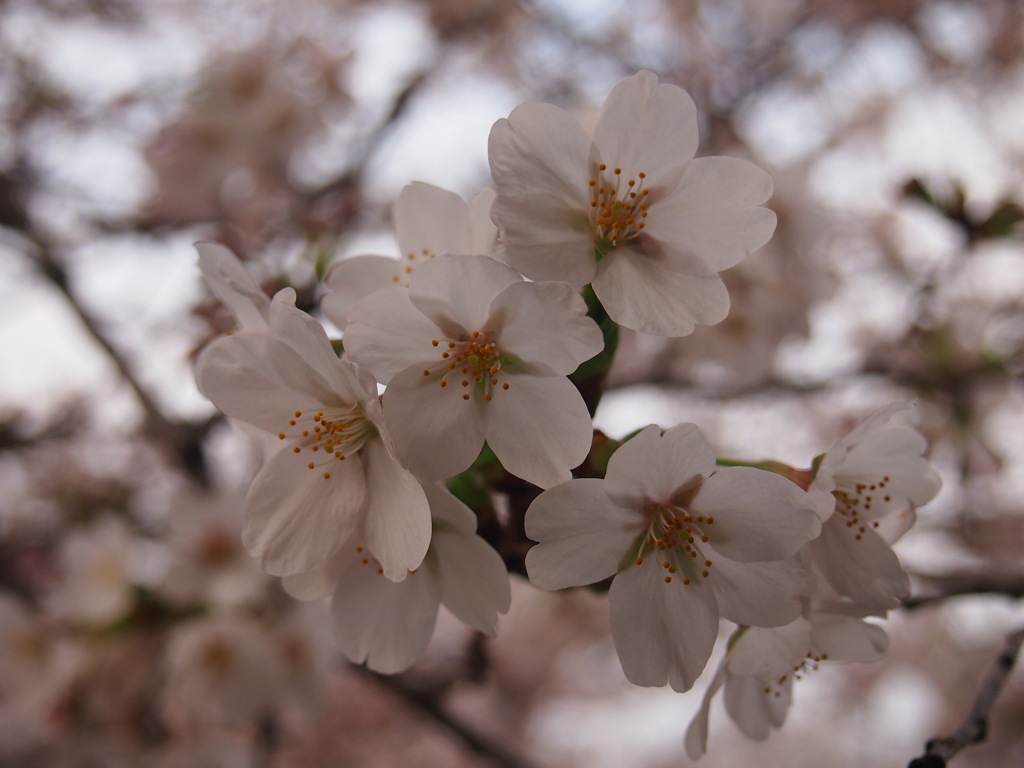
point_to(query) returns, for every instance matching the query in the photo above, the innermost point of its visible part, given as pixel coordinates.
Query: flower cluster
(490, 338)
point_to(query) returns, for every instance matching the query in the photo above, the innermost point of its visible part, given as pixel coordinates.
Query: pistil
(617, 208)
(330, 434)
(471, 362)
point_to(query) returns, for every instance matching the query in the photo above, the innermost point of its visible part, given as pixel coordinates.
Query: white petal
(653, 467)
(895, 452)
(644, 126)
(892, 527)
(540, 148)
(758, 515)
(437, 434)
(473, 578)
(259, 380)
(432, 219)
(456, 292)
(760, 594)
(295, 518)
(483, 230)
(714, 214)
(768, 653)
(696, 740)
(447, 511)
(846, 638)
(396, 527)
(546, 238)
(539, 428)
(662, 632)
(545, 324)
(234, 286)
(352, 280)
(640, 294)
(386, 334)
(584, 537)
(864, 568)
(307, 337)
(539, 162)
(380, 622)
(316, 583)
(753, 710)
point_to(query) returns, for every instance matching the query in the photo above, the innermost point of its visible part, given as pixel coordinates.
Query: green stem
(589, 378)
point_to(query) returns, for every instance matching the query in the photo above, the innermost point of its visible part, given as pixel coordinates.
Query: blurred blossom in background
(134, 629)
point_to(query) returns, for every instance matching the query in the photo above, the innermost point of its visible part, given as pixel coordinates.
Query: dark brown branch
(960, 586)
(974, 729)
(429, 703)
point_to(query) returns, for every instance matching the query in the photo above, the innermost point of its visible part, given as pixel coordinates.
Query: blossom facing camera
(627, 209)
(472, 352)
(686, 545)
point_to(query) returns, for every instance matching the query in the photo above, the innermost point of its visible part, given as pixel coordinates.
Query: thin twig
(974, 729)
(429, 703)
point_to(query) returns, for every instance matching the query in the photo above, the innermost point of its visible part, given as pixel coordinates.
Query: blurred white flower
(628, 209)
(221, 673)
(208, 562)
(472, 352)
(686, 544)
(94, 563)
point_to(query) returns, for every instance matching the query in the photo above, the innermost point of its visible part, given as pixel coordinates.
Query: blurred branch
(974, 729)
(184, 440)
(968, 584)
(429, 703)
(352, 178)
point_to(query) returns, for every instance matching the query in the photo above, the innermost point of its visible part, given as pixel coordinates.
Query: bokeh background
(133, 628)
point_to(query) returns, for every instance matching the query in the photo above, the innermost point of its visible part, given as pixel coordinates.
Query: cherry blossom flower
(334, 473)
(627, 209)
(208, 564)
(429, 221)
(472, 352)
(685, 544)
(866, 488)
(95, 563)
(221, 673)
(387, 625)
(761, 665)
